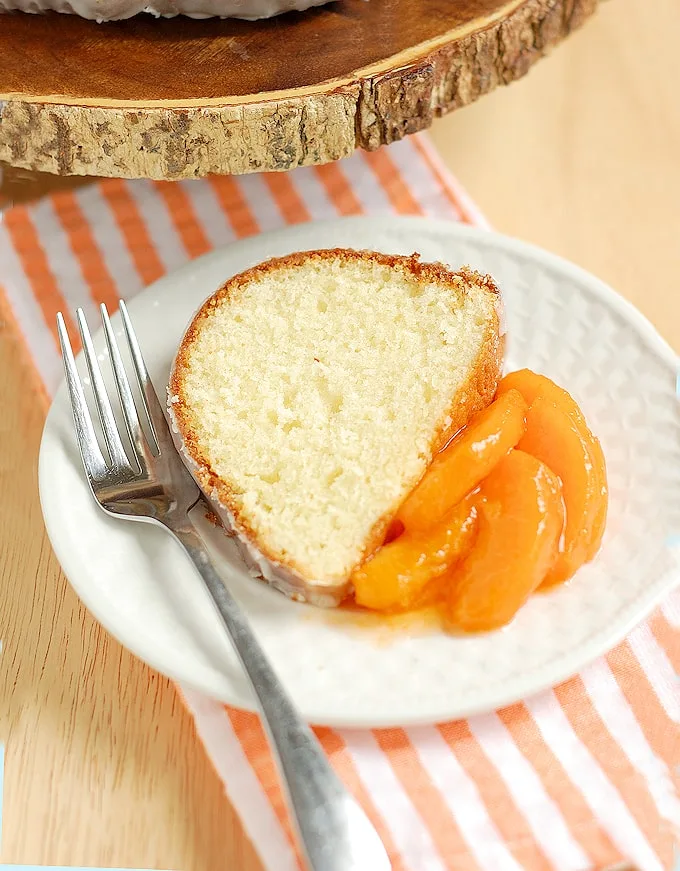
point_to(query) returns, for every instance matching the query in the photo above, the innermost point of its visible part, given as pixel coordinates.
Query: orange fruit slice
(558, 434)
(465, 462)
(520, 521)
(397, 575)
(553, 437)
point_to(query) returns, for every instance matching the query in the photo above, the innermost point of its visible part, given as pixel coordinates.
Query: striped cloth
(580, 777)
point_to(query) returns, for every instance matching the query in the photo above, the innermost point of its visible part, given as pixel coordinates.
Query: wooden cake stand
(177, 98)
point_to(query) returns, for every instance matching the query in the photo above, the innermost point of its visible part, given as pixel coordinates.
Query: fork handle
(335, 832)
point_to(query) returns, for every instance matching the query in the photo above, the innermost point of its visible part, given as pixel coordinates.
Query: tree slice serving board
(178, 98)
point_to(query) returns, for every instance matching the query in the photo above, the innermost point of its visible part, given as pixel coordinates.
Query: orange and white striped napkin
(580, 777)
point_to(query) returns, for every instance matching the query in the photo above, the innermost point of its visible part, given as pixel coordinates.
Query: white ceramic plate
(561, 321)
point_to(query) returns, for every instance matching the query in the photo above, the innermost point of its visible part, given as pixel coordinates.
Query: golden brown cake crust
(475, 395)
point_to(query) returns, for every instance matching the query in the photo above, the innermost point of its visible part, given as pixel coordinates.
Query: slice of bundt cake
(310, 393)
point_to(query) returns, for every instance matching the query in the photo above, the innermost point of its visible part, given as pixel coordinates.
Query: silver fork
(153, 485)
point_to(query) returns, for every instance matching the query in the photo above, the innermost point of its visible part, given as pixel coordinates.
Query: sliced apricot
(600, 471)
(554, 438)
(520, 520)
(469, 458)
(397, 575)
(533, 385)
(600, 520)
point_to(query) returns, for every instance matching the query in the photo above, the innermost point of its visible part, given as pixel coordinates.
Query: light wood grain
(102, 763)
(583, 155)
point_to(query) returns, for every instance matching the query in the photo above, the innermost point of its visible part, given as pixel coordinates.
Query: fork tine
(156, 418)
(94, 462)
(117, 453)
(127, 402)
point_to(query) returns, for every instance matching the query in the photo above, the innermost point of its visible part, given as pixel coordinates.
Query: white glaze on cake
(113, 10)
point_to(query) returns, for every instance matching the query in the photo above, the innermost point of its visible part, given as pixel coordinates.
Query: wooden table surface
(102, 764)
